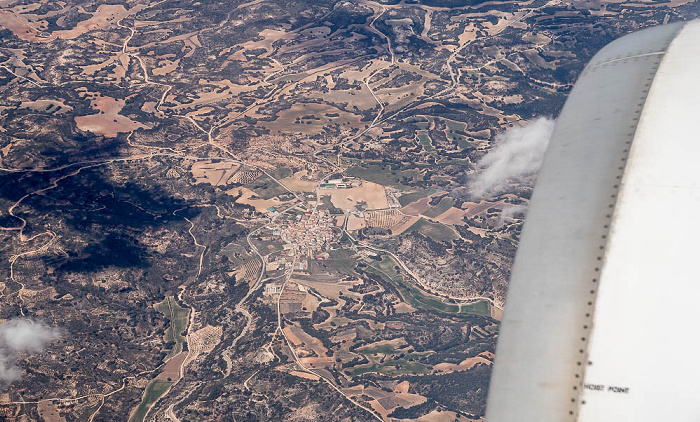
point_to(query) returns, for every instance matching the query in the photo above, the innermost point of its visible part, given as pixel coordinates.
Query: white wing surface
(603, 303)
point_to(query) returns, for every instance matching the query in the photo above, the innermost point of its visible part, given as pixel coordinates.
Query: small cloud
(518, 153)
(8, 370)
(21, 336)
(510, 211)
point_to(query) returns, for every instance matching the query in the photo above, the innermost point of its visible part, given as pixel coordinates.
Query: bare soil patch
(216, 174)
(108, 121)
(305, 375)
(171, 370)
(48, 106)
(249, 197)
(370, 193)
(356, 223)
(417, 207)
(452, 216)
(49, 413)
(296, 182)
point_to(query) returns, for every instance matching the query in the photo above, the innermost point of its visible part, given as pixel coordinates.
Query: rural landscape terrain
(266, 210)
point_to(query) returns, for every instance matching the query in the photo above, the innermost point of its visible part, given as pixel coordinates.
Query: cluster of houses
(309, 233)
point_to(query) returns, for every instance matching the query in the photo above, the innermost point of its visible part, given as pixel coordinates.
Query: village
(307, 234)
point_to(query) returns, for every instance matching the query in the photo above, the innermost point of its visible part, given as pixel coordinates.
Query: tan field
(451, 216)
(19, 26)
(310, 302)
(386, 401)
(363, 98)
(473, 209)
(48, 412)
(496, 313)
(200, 113)
(250, 198)
(437, 416)
(296, 183)
(216, 174)
(305, 375)
(150, 107)
(105, 15)
(299, 338)
(404, 400)
(108, 121)
(121, 64)
(478, 231)
(51, 106)
(534, 57)
(356, 223)
(417, 207)
(318, 362)
(212, 92)
(371, 193)
(464, 365)
(393, 220)
(165, 67)
(171, 370)
(330, 287)
(400, 228)
(268, 36)
(323, 115)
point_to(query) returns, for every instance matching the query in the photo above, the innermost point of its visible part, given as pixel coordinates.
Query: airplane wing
(603, 304)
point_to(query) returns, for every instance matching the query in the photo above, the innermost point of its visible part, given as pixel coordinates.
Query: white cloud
(8, 370)
(510, 211)
(518, 153)
(21, 336)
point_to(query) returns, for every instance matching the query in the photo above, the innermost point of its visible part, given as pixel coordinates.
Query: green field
(445, 204)
(393, 368)
(435, 231)
(154, 390)
(382, 174)
(392, 355)
(455, 126)
(422, 300)
(420, 121)
(476, 308)
(384, 349)
(424, 139)
(179, 318)
(266, 188)
(341, 261)
(455, 133)
(407, 198)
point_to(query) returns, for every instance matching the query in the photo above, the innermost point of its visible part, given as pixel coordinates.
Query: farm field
(154, 390)
(444, 205)
(382, 174)
(407, 198)
(371, 194)
(178, 318)
(436, 231)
